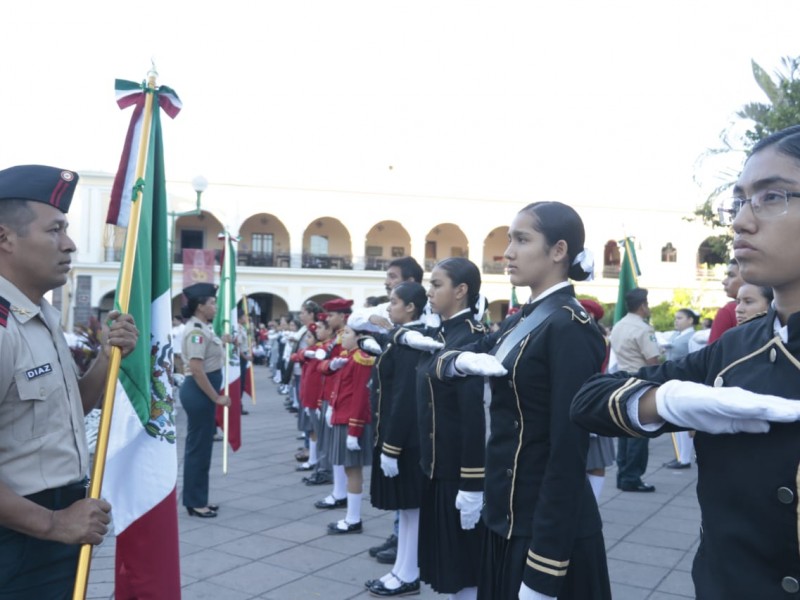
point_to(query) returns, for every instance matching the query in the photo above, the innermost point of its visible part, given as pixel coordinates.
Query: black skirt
(449, 557)
(503, 564)
(401, 492)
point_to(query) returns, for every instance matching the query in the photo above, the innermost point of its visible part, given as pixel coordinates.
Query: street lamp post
(200, 185)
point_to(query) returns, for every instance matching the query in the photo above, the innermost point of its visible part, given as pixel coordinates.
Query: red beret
(339, 305)
(593, 308)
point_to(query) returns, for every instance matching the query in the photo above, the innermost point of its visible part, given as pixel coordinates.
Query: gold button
(773, 355)
(509, 472)
(718, 382)
(516, 424)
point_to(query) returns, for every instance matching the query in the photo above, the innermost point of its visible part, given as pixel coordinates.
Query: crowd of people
(487, 445)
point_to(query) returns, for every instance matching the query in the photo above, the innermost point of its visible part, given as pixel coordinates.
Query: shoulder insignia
(5, 305)
(476, 327)
(579, 315)
(361, 358)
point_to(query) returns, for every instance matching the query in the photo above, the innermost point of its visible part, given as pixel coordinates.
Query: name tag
(37, 371)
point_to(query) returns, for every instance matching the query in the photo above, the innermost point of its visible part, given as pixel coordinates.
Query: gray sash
(530, 323)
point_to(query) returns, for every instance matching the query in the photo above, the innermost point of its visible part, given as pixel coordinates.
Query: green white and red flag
(628, 276)
(141, 462)
(224, 322)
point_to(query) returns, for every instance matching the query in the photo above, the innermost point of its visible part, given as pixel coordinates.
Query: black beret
(200, 290)
(39, 183)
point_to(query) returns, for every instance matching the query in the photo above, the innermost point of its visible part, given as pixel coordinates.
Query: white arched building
(297, 244)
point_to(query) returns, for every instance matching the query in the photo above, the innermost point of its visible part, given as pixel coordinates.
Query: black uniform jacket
(747, 483)
(394, 394)
(536, 484)
(452, 424)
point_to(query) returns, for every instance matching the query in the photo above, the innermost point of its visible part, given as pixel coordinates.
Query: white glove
(526, 593)
(329, 417)
(417, 341)
(318, 413)
(309, 354)
(470, 363)
(723, 409)
(389, 466)
(370, 346)
(352, 443)
(470, 505)
(307, 411)
(337, 363)
(320, 354)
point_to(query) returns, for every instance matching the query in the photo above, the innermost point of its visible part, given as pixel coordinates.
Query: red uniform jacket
(310, 377)
(350, 396)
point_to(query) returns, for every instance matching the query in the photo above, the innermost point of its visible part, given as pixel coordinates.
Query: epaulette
(579, 315)
(476, 327)
(5, 306)
(363, 359)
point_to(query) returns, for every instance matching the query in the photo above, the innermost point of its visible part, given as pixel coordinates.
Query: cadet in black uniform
(397, 484)
(748, 440)
(543, 530)
(452, 430)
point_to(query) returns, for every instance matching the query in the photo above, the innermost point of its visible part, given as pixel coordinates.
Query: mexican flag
(224, 322)
(628, 277)
(141, 464)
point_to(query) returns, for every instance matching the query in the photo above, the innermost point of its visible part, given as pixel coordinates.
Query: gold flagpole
(226, 329)
(124, 296)
(675, 446)
(249, 348)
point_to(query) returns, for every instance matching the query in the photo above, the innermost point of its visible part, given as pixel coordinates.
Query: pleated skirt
(504, 560)
(403, 491)
(449, 557)
(601, 452)
(340, 455)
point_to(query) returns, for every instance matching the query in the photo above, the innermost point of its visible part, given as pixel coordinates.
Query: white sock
(596, 481)
(685, 447)
(339, 482)
(353, 508)
(406, 567)
(312, 452)
(470, 593)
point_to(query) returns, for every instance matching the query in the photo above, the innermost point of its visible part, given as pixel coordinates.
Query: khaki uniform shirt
(634, 342)
(200, 341)
(42, 436)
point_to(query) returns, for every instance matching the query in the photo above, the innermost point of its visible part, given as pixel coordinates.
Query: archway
(385, 241)
(446, 240)
(197, 232)
(263, 242)
(326, 245)
(494, 246)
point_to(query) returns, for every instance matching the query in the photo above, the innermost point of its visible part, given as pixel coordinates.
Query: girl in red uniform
(351, 423)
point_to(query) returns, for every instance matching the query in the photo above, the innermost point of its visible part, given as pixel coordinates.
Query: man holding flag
(44, 512)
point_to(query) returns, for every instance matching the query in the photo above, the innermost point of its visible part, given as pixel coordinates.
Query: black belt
(61, 497)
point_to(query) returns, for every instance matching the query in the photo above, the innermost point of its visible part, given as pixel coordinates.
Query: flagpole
(226, 328)
(124, 295)
(249, 348)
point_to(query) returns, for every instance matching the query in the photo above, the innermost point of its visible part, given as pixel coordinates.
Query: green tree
(762, 119)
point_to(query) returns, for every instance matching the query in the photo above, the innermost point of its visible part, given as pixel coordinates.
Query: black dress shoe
(304, 467)
(208, 514)
(676, 464)
(391, 542)
(343, 527)
(410, 588)
(318, 478)
(637, 487)
(245, 412)
(214, 507)
(387, 557)
(326, 503)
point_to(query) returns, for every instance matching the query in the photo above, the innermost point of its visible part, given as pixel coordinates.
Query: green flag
(628, 277)
(142, 465)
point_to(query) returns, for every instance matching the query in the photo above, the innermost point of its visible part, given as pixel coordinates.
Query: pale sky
(578, 101)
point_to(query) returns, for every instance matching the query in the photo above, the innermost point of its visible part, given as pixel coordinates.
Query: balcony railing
(327, 261)
(262, 259)
(611, 271)
(373, 263)
(494, 267)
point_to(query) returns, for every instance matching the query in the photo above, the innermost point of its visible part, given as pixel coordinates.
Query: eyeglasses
(766, 204)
